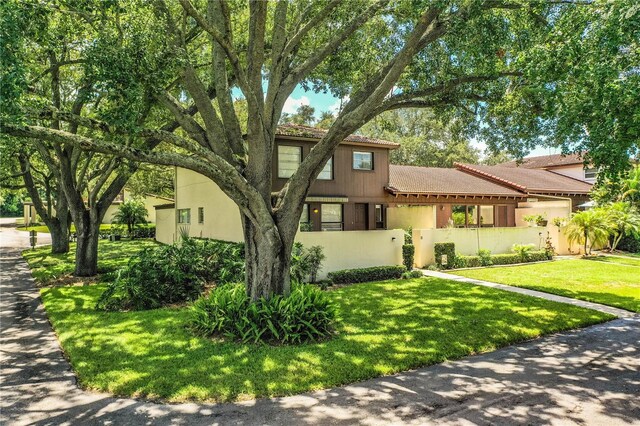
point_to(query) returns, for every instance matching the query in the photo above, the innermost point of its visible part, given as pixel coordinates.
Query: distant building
(571, 165)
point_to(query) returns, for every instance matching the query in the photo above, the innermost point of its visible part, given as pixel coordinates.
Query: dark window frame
(322, 222)
(353, 165)
(201, 215)
(332, 170)
(188, 221)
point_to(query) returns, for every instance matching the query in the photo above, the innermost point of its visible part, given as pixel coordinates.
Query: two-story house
(359, 191)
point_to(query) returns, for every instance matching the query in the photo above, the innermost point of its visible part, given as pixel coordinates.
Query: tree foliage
(521, 67)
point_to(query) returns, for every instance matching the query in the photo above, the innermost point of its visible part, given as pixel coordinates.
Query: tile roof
(436, 181)
(528, 180)
(544, 161)
(308, 132)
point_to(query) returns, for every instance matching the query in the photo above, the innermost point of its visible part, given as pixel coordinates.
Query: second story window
(289, 158)
(184, 216)
(590, 173)
(327, 172)
(362, 160)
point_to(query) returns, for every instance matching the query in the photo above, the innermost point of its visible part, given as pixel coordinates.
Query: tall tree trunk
(267, 260)
(59, 236)
(88, 231)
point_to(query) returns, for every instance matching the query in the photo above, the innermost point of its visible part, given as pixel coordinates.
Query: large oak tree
(460, 58)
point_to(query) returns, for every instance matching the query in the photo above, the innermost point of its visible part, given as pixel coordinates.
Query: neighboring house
(360, 192)
(150, 201)
(571, 165)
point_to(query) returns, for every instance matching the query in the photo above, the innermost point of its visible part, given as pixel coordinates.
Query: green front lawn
(633, 261)
(613, 283)
(49, 268)
(385, 327)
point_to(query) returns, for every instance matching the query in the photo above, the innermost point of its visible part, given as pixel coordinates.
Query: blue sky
(326, 102)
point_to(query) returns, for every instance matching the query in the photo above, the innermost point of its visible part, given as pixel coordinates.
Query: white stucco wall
(221, 215)
(469, 240)
(356, 249)
(419, 217)
(165, 225)
(548, 209)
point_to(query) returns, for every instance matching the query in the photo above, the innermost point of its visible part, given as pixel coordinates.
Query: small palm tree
(631, 186)
(131, 213)
(622, 220)
(588, 226)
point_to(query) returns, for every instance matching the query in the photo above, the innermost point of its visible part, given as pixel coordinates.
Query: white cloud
(335, 107)
(291, 105)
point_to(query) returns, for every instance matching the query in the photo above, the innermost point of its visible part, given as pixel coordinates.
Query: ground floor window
(331, 217)
(472, 216)
(200, 214)
(184, 215)
(379, 214)
(305, 220)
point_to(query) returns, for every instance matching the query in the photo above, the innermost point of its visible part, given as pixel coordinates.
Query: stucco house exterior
(571, 165)
(360, 205)
(149, 200)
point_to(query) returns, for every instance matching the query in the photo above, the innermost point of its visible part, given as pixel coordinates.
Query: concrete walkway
(620, 313)
(591, 376)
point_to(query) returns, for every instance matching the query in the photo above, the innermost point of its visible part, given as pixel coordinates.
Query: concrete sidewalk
(591, 376)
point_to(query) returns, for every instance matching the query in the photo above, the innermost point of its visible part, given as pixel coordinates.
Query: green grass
(48, 269)
(613, 284)
(385, 327)
(632, 261)
(43, 228)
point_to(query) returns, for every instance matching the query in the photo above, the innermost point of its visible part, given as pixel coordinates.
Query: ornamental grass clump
(307, 314)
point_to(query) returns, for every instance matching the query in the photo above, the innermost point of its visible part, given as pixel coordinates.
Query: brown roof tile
(528, 180)
(307, 132)
(544, 161)
(432, 180)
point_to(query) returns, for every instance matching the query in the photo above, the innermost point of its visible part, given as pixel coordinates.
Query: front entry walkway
(590, 376)
(620, 313)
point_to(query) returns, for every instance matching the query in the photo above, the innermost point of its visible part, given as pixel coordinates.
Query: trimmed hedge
(501, 259)
(408, 252)
(513, 258)
(361, 275)
(630, 243)
(445, 248)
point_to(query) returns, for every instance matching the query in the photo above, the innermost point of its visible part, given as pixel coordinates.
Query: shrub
(523, 251)
(467, 261)
(630, 243)
(412, 274)
(307, 314)
(177, 273)
(513, 258)
(131, 213)
(448, 249)
(485, 257)
(408, 252)
(361, 275)
(306, 263)
(144, 232)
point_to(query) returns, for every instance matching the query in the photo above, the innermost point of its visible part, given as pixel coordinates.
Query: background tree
(424, 140)
(152, 179)
(305, 115)
(131, 213)
(468, 61)
(583, 89)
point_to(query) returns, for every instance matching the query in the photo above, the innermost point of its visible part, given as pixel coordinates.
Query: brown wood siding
(358, 185)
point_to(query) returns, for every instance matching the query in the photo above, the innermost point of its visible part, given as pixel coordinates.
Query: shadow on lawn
(446, 321)
(536, 382)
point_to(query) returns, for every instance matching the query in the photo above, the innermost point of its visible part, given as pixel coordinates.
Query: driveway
(591, 376)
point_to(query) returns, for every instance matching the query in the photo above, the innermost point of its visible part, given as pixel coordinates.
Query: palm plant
(631, 186)
(131, 213)
(588, 227)
(622, 219)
